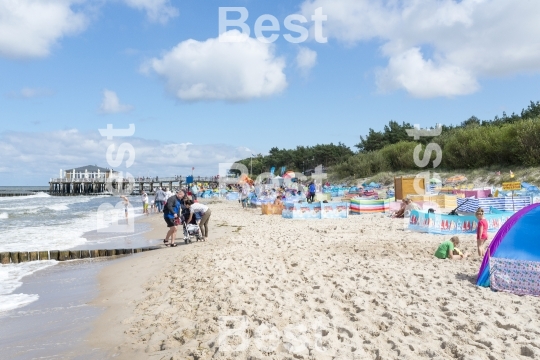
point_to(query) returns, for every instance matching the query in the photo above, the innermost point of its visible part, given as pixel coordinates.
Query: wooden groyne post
(16, 257)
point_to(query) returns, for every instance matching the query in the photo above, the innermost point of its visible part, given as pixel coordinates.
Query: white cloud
(213, 70)
(111, 104)
(52, 151)
(444, 45)
(306, 59)
(28, 93)
(29, 28)
(423, 78)
(156, 10)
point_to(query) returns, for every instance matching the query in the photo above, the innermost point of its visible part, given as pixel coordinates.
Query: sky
(196, 98)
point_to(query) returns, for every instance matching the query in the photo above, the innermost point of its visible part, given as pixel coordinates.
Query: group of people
(180, 208)
(248, 190)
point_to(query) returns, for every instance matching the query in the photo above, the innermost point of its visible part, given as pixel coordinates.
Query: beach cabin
(87, 172)
(404, 186)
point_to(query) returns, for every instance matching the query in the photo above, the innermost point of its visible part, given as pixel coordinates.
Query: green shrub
(400, 156)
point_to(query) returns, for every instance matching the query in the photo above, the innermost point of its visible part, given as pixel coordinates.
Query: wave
(11, 278)
(14, 301)
(33, 196)
(4, 215)
(58, 207)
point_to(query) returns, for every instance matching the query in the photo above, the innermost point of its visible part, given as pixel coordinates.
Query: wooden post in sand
(43, 255)
(94, 253)
(85, 254)
(102, 253)
(23, 256)
(54, 254)
(33, 256)
(74, 254)
(14, 257)
(63, 255)
(110, 252)
(136, 251)
(4, 258)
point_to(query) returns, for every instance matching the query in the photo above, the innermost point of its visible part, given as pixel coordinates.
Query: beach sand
(264, 287)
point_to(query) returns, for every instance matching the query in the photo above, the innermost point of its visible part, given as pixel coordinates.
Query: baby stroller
(190, 230)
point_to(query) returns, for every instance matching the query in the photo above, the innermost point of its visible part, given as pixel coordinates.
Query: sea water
(42, 222)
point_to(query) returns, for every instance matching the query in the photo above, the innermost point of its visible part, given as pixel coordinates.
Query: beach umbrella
(289, 175)
(456, 179)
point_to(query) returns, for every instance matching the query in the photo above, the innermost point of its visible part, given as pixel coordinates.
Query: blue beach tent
(512, 261)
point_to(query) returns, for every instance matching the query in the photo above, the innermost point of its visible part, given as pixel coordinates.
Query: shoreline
(122, 285)
(59, 321)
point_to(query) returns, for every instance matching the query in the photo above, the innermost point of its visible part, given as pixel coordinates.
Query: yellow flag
(511, 174)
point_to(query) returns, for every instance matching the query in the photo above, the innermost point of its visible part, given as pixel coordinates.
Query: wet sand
(56, 325)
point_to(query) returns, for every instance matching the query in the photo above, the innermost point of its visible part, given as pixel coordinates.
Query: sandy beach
(264, 287)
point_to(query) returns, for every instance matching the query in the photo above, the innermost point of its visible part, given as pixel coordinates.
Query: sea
(39, 221)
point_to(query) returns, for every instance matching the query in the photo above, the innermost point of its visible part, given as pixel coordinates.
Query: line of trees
(301, 159)
(507, 140)
(475, 143)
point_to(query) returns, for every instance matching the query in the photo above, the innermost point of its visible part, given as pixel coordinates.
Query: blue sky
(70, 67)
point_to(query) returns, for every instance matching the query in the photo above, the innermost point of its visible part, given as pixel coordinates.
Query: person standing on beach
(160, 199)
(168, 194)
(204, 211)
(481, 231)
(312, 190)
(194, 191)
(144, 197)
(171, 214)
(126, 205)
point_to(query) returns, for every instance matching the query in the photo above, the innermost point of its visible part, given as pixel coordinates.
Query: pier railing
(154, 180)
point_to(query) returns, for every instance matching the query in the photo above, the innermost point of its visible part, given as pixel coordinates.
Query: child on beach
(449, 250)
(481, 231)
(126, 205)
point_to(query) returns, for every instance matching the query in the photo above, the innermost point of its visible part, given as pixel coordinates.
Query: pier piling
(85, 254)
(74, 254)
(14, 257)
(54, 254)
(43, 255)
(33, 256)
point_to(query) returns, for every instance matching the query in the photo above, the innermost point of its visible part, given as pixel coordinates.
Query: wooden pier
(108, 186)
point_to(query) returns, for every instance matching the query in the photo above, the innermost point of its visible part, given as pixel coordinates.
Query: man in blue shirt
(171, 214)
(312, 190)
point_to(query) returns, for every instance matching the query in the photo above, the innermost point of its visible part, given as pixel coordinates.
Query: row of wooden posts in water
(17, 257)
